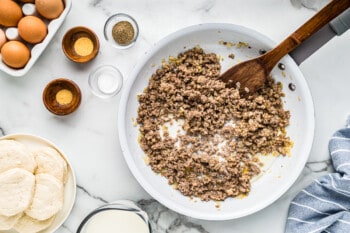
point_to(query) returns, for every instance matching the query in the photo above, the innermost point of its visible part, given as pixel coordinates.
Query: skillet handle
(337, 26)
(341, 23)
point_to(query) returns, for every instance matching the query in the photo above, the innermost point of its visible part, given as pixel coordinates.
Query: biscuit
(48, 197)
(49, 161)
(16, 191)
(6, 223)
(14, 154)
(27, 224)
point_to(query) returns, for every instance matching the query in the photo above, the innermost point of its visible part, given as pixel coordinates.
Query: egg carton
(37, 49)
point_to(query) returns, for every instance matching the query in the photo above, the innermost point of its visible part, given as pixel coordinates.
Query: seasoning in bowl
(105, 81)
(62, 96)
(80, 44)
(121, 30)
(83, 46)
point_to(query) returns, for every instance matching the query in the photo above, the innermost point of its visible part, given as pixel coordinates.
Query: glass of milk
(121, 216)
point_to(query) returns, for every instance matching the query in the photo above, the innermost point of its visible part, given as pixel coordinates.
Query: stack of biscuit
(31, 186)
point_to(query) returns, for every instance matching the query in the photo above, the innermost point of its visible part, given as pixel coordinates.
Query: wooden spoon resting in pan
(249, 76)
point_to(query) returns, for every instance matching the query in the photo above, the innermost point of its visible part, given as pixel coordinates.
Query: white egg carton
(37, 49)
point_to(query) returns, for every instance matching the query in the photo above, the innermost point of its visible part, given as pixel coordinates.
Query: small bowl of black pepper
(121, 30)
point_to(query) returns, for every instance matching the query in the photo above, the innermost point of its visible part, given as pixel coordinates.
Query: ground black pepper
(292, 86)
(281, 66)
(262, 51)
(123, 32)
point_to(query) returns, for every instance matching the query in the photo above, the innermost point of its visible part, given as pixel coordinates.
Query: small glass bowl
(105, 81)
(121, 205)
(113, 20)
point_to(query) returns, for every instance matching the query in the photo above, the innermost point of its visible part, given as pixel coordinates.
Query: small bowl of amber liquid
(80, 44)
(61, 96)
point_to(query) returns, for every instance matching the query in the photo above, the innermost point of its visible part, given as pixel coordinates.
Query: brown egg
(32, 29)
(10, 14)
(49, 9)
(15, 54)
(3, 38)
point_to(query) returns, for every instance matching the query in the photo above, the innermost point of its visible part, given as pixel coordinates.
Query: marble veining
(65, 229)
(311, 4)
(164, 220)
(89, 137)
(95, 3)
(91, 195)
(206, 6)
(161, 218)
(2, 132)
(320, 166)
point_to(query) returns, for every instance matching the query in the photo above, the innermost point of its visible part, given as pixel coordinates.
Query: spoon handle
(323, 17)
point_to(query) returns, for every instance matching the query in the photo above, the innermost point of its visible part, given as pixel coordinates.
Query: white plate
(279, 173)
(35, 142)
(37, 49)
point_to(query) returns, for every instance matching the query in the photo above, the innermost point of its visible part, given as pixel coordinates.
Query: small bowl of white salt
(105, 81)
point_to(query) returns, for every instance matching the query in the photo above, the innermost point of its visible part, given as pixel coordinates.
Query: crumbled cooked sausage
(213, 156)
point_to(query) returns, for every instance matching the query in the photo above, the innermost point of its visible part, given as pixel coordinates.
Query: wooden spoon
(249, 76)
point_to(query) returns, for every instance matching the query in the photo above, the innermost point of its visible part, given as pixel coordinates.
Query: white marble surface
(89, 136)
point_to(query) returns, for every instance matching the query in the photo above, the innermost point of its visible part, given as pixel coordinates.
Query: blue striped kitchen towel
(324, 205)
